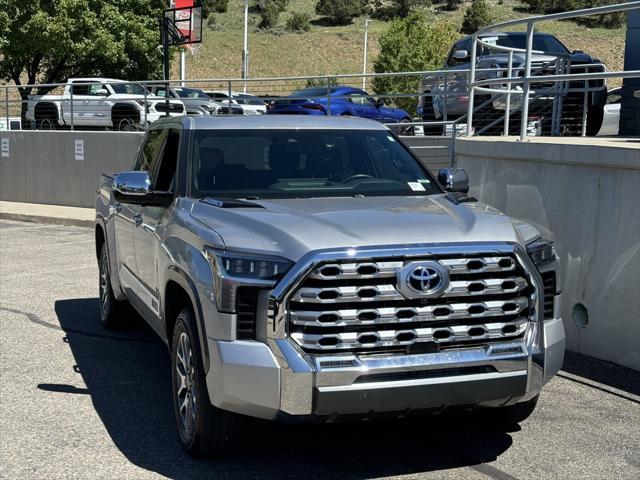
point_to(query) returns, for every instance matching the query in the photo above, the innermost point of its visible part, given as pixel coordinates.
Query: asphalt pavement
(79, 401)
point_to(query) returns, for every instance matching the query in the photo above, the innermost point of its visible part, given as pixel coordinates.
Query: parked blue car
(348, 101)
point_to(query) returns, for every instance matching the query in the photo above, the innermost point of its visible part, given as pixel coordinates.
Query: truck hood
(293, 227)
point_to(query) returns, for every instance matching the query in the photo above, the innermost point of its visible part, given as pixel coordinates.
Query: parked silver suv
(312, 268)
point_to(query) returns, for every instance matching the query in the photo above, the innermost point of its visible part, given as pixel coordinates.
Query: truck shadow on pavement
(127, 376)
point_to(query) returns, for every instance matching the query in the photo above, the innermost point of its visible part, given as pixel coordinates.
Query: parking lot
(79, 401)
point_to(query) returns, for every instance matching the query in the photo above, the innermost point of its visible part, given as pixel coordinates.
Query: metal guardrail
(527, 79)
(513, 88)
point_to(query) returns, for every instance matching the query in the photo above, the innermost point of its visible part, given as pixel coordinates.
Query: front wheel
(111, 310)
(204, 429)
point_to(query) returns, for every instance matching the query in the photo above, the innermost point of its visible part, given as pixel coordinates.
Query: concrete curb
(71, 222)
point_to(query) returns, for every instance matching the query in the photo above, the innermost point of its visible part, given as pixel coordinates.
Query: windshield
(130, 89)
(244, 99)
(543, 43)
(191, 93)
(304, 163)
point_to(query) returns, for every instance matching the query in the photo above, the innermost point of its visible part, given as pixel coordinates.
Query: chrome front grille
(358, 306)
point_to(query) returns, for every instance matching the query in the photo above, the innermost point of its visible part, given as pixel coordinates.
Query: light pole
(245, 51)
(364, 61)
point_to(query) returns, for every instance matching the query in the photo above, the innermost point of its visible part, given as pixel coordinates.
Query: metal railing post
(444, 106)
(453, 143)
(145, 107)
(70, 106)
(328, 98)
(6, 104)
(507, 110)
(585, 107)
(472, 79)
(527, 84)
(229, 92)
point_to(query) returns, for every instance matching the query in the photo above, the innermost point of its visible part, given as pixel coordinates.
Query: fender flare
(179, 276)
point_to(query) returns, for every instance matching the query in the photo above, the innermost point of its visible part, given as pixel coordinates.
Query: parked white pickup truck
(100, 102)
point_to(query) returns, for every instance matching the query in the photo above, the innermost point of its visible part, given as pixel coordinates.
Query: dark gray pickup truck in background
(310, 268)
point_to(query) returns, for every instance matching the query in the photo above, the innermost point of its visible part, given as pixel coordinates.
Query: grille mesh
(357, 306)
(246, 306)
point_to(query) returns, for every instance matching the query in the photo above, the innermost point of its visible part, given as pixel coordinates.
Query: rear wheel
(204, 429)
(45, 124)
(126, 124)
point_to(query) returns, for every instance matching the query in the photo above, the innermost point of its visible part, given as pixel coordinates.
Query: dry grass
(334, 50)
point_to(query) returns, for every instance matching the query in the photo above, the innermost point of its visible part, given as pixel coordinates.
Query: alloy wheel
(186, 389)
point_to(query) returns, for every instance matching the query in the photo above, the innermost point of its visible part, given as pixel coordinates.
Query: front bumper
(276, 380)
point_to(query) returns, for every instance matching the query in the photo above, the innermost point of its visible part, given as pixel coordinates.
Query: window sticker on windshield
(391, 139)
(416, 186)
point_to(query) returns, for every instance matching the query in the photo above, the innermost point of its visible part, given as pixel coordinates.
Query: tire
(429, 115)
(126, 124)
(407, 129)
(45, 124)
(112, 311)
(516, 413)
(204, 430)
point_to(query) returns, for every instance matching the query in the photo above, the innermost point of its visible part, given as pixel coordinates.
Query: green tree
(409, 45)
(477, 16)
(48, 41)
(341, 12)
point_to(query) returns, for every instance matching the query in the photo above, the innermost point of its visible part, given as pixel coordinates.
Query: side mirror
(576, 52)
(135, 188)
(380, 102)
(460, 54)
(103, 91)
(454, 179)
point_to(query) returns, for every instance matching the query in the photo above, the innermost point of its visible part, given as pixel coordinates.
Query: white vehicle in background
(195, 100)
(611, 117)
(100, 103)
(250, 104)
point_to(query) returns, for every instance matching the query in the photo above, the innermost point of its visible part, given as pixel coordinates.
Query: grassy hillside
(338, 49)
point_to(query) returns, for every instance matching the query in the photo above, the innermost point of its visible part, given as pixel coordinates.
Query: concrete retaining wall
(41, 167)
(589, 197)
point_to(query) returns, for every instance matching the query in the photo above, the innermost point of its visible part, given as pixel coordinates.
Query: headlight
(231, 270)
(542, 252)
(143, 104)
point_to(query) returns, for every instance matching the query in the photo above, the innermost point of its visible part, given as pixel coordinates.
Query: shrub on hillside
(340, 11)
(608, 20)
(402, 8)
(298, 22)
(477, 16)
(212, 6)
(322, 82)
(454, 4)
(411, 44)
(269, 11)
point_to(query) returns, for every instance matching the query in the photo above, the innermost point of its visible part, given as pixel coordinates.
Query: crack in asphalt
(33, 318)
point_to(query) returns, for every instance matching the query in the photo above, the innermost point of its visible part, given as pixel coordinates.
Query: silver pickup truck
(312, 269)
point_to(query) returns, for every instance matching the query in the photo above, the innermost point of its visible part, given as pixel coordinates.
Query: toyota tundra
(311, 268)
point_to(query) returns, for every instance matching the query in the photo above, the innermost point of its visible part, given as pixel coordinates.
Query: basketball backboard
(184, 25)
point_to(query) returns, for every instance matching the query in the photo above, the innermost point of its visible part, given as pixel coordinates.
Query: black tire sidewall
(185, 323)
(106, 311)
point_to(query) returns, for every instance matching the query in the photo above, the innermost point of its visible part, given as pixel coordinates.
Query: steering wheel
(357, 176)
